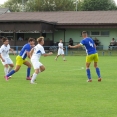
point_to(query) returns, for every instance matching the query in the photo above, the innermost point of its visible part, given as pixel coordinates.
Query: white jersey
(60, 45)
(38, 51)
(4, 51)
(60, 50)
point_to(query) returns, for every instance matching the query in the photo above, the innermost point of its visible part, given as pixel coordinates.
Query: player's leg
(10, 63)
(96, 67)
(57, 55)
(19, 62)
(6, 68)
(38, 67)
(42, 68)
(88, 62)
(63, 57)
(28, 69)
(17, 67)
(10, 67)
(62, 53)
(37, 71)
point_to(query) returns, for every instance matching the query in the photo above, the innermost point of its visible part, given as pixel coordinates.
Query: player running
(36, 53)
(4, 56)
(60, 50)
(21, 59)
(92, 55)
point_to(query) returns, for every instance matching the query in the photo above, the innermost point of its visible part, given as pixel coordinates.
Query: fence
(77, 51)
(47, 49)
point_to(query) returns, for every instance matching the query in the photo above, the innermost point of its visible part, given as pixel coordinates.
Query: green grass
(61, 91)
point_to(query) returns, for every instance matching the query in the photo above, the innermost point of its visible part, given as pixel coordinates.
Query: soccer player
(4, 56)
(60, 50)
(36, 53)
(21, 59)
(92, 55)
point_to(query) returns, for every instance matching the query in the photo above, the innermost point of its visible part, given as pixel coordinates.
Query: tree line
(59, 5)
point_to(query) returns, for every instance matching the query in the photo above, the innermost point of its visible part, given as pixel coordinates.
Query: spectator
(11, 39)
(71, 42)
(96, 41)
(20, 39)
(112, 43)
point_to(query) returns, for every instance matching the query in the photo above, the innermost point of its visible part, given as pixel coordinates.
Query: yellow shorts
(19, 60)
(92, 57)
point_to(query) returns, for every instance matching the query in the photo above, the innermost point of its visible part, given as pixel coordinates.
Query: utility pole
(22, 5)
(76, 5)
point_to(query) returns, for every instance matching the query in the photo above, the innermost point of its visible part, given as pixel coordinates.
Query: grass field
(62, 90)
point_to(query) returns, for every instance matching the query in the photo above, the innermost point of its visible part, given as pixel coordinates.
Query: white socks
(33, 77)
(64, 58)
(10, 68)
(6, 70)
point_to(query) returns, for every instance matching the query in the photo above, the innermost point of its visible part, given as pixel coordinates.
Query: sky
(2, 1)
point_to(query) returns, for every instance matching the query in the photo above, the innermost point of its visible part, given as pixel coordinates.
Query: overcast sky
(2, 1)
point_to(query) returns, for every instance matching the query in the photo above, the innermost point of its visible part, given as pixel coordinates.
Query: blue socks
(11, 73)
(88, 73)
(28, 72)
(98, 72)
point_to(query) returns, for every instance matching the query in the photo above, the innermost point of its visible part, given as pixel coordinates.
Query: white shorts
(7, 61)
(60, 52)
(36, 64)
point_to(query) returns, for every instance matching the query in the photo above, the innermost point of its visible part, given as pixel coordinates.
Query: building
(4, 10)
(60, 25)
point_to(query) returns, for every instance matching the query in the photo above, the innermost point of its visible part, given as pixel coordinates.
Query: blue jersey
(89, 45)
(26, 48)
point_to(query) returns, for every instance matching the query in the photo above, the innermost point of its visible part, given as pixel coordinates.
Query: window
(104, 33)
(8, 35)
(95, 33)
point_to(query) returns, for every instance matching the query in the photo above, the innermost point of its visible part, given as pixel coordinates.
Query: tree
(95, 5)
(50, 5)
(14, 5)
(40, 5)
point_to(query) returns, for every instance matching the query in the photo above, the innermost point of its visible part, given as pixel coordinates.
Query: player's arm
(60, 46)
(12, 50)
(31, 52)
(28, 54)
(76, 46)
(94, 45)
(47, 54)
(2, 58)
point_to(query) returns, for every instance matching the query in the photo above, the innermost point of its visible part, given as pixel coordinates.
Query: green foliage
(40, 5)
(50, 5)
(95, 5)
(14, 5)
(60, 5)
